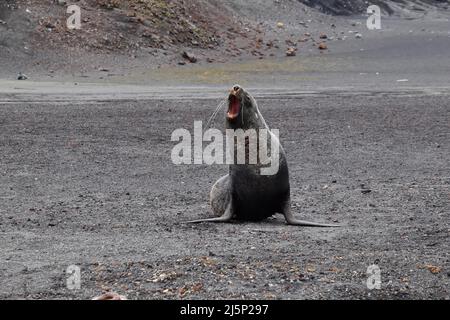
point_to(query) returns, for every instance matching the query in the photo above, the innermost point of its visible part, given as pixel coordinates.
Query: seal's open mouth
(234, 107)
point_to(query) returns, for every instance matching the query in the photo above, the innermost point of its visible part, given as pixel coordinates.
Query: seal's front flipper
(227, 216)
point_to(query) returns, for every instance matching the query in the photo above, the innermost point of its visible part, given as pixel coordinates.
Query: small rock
(358, 36)
(22, 76)
(50, 25)
(280, 25)
(323, 46)
(62, 2)
(181, 63)
(2, 22)
(323, 36)
(433, 269)
(366, 191)
(190, 56)
(110, 296)
(291, 52)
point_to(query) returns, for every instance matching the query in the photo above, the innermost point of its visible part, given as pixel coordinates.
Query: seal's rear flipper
(227, 216)
(290, 219)
(211, 220)
(310, 224)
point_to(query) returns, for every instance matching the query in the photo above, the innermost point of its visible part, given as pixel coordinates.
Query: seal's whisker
(215, 111)
(214, 115)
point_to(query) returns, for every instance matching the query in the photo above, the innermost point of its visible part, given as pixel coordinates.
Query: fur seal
(244, 193)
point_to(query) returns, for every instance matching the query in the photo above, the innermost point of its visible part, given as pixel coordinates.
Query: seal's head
(242, 109)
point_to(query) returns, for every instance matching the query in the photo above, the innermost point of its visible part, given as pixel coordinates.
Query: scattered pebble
(110, 296)
(291, 52)
(22, 76)
(323, 46)
(433, 269)
(190, 57)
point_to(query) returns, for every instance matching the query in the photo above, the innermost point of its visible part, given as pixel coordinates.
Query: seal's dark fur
(255, 196)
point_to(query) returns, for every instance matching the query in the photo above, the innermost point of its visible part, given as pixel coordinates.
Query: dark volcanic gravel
(93, 185)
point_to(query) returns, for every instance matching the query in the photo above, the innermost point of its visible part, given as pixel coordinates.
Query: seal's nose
(235, 90)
